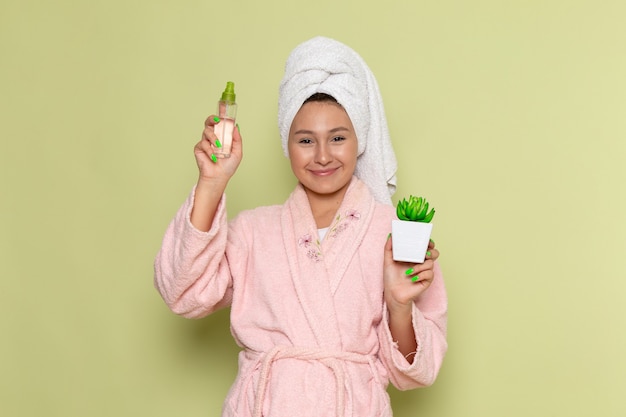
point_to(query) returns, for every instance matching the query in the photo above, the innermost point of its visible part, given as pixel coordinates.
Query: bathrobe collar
(317, 268)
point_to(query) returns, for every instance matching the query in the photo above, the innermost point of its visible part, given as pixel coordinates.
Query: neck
(324, 207)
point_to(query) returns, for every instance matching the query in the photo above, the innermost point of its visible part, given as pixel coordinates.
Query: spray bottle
(226, 111)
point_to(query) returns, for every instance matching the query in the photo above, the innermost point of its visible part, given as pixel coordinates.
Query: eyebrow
(310, 132)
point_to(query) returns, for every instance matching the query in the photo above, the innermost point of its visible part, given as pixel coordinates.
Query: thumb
(388, 250)
(237, 142)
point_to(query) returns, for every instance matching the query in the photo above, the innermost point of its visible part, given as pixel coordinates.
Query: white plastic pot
(410, 240)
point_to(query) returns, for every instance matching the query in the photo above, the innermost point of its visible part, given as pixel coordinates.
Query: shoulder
(380, 224)
(385, 211)
(258, 216)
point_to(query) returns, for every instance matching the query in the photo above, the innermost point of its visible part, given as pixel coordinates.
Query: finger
(432, 253)
(412, 274)
(209, 140)
(204, 149)
(205, 146)
(388, 251)
(419, 270)
(431, 244)
(424, 277)
(212, 120)
(209, 133)
(237, 146)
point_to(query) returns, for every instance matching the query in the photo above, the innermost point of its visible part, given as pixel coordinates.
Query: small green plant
(415, 209)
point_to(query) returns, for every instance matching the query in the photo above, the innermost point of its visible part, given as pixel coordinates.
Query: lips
(324, 172)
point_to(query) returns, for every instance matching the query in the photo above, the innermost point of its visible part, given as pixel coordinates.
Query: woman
(323, 314)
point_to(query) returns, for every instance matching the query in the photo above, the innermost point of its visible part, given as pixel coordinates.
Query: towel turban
(323, 65)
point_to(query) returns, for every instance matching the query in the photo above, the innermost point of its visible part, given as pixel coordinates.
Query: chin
(326, 190)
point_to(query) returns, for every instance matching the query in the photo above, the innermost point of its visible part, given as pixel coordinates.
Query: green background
(508, 115)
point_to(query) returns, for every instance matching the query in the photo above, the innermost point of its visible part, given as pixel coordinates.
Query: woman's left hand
(404, 281)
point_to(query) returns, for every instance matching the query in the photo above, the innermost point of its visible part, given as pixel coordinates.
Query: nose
(323, 155)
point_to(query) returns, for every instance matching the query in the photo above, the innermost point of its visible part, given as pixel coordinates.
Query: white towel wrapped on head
(323, 65)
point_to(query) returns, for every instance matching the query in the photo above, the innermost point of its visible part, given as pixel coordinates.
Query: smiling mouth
(324, 172)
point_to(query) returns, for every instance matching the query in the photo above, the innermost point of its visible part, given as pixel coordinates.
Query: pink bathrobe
(308, 315)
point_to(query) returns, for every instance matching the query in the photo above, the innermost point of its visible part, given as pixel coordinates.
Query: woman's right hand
(212, 168)
(214, 174)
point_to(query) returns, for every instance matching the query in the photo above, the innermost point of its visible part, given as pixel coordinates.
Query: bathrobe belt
(332, 359)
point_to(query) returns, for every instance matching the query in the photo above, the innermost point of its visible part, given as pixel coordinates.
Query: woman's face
(323, 148)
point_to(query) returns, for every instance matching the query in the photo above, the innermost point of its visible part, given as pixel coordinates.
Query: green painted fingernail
(238, 127)
(415, 278)
(432, 241)
(213, 158)
(428, 253)
(218, 143)
(389, 235)
(409, 271)
(216, 119)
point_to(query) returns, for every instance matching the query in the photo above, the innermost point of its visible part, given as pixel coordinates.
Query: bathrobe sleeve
(429, 323)
(191, 271)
